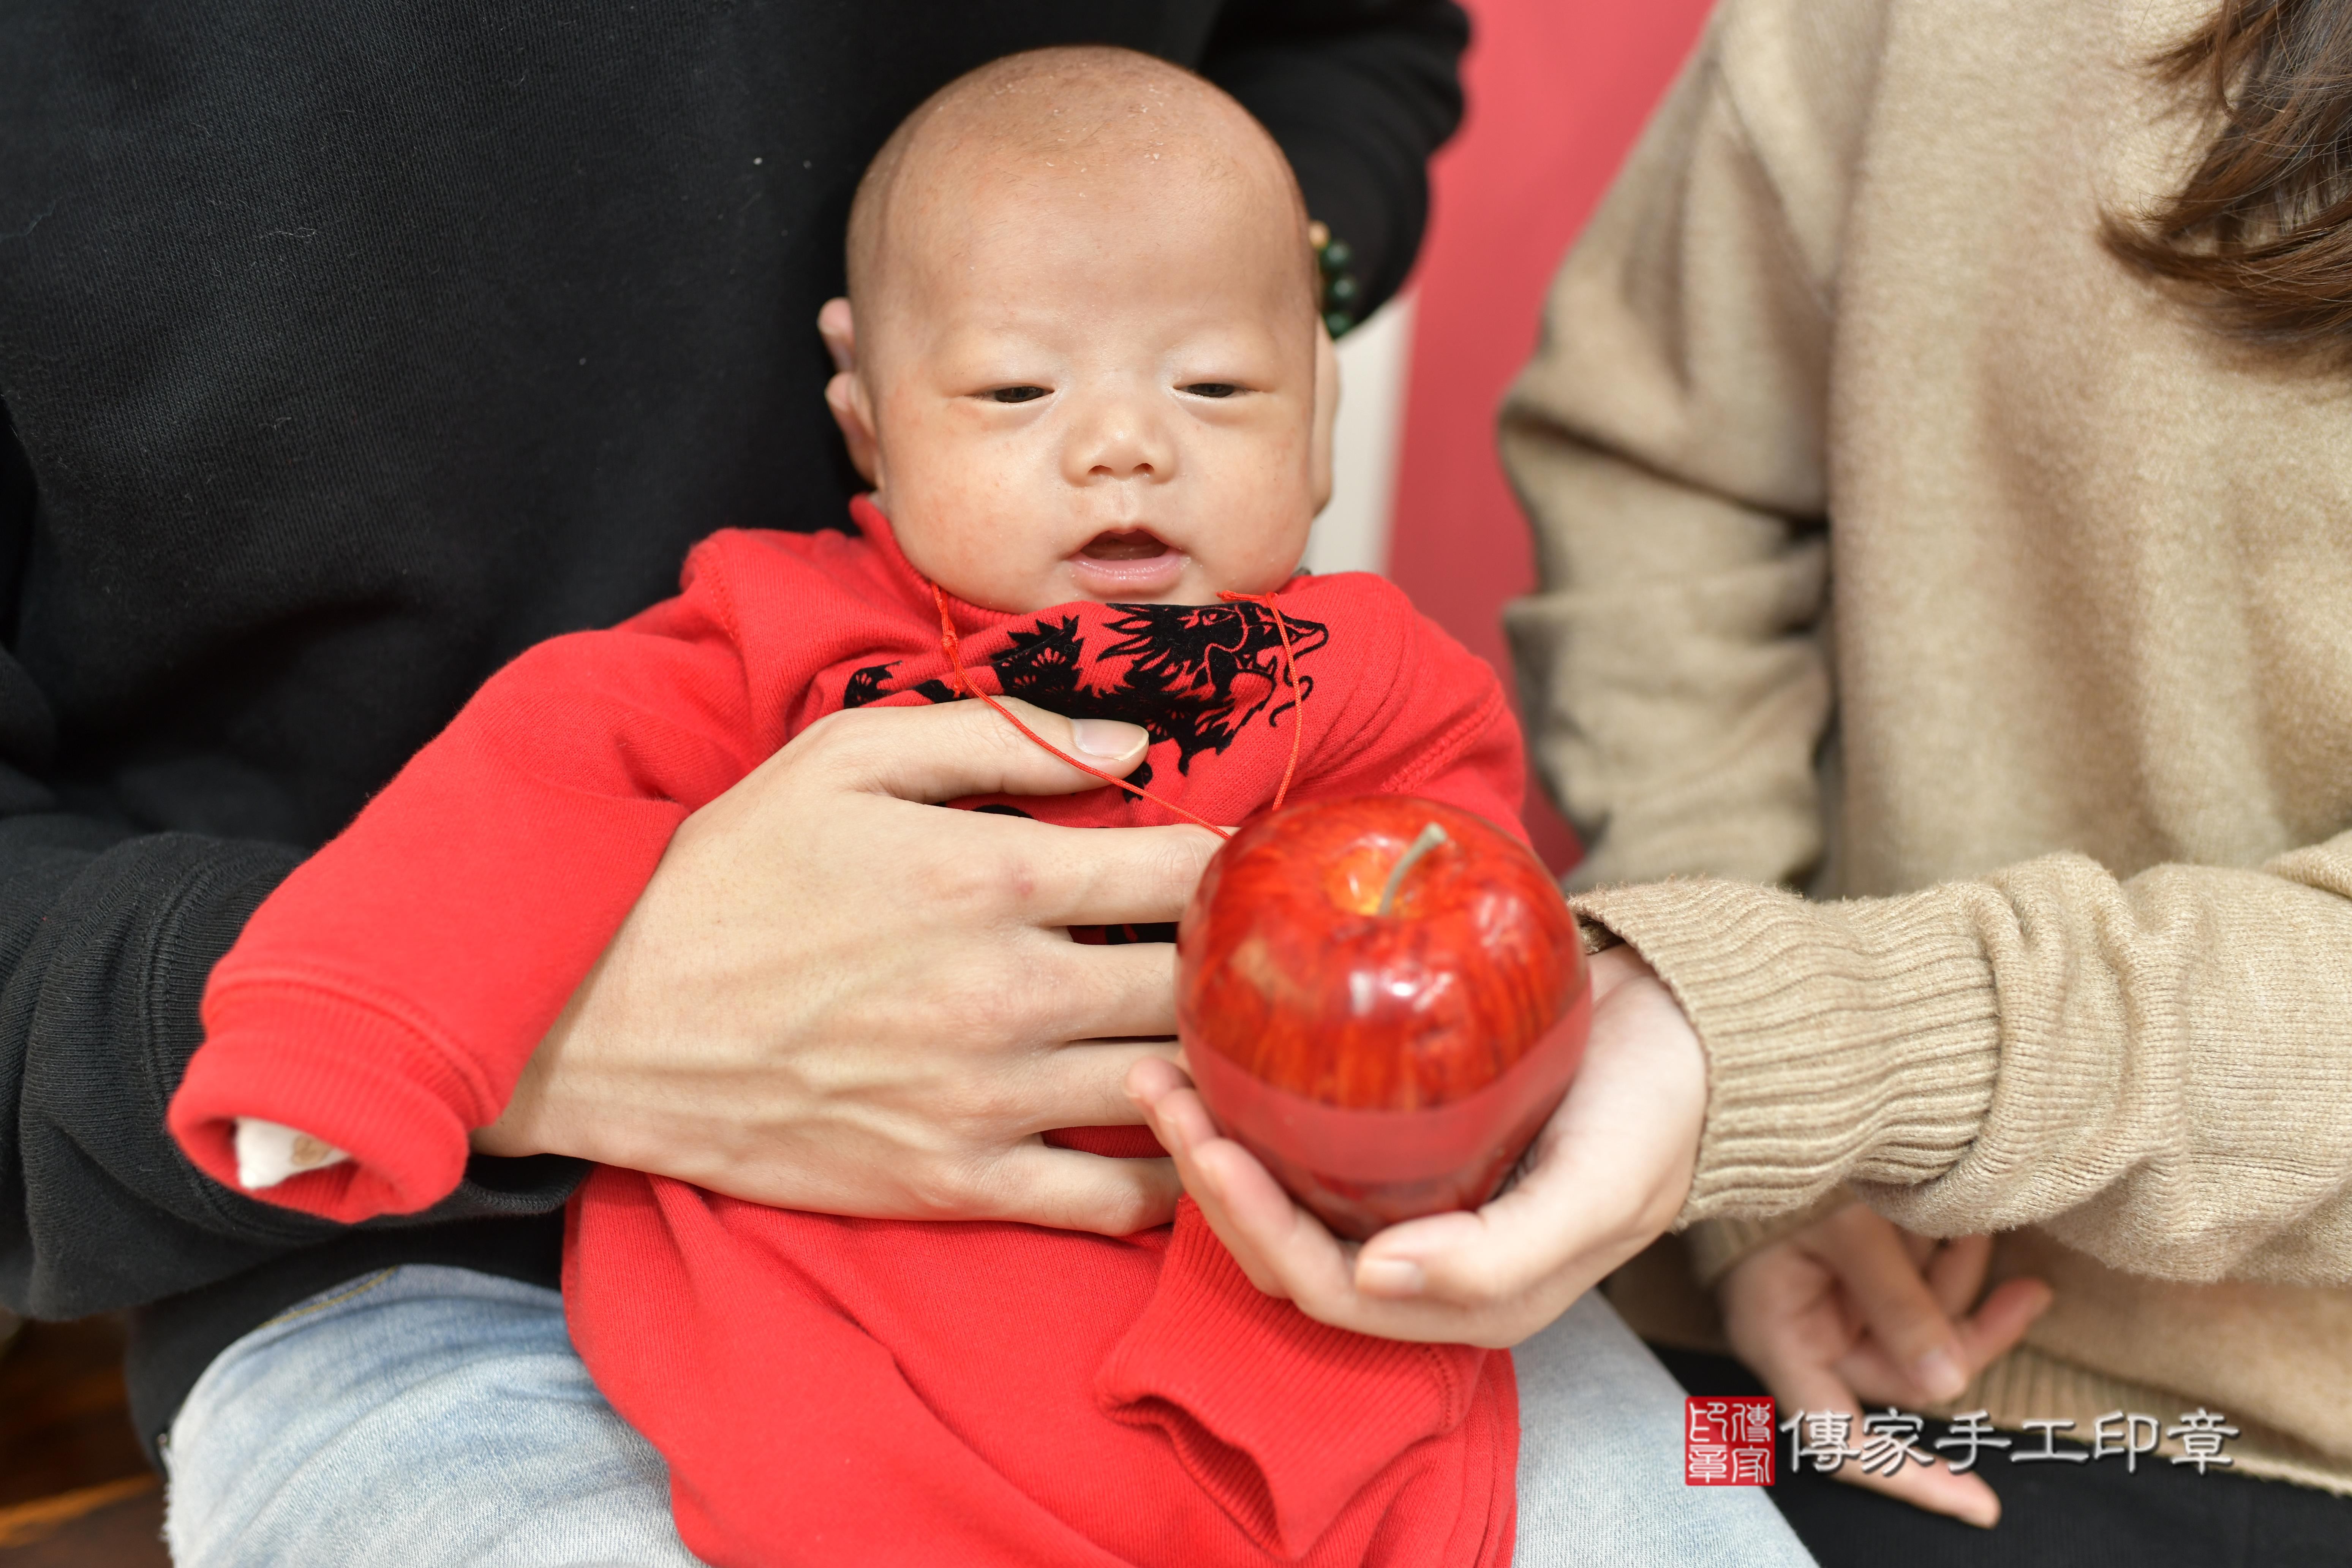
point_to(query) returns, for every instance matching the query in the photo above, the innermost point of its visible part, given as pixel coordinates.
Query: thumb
(950, 750)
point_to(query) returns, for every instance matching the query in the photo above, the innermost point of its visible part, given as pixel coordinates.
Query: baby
(1080, 366)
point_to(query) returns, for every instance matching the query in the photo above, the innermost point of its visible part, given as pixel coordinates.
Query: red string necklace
(954, 648)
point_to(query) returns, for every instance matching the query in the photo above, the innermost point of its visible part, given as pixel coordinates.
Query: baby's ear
(839, 328)
(845, 393)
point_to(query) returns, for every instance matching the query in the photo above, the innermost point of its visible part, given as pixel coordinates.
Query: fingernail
(1940, 1375)
(1390, 1276)
(1106, 737)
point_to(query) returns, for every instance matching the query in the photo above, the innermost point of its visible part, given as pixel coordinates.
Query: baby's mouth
(1126, 545)
(1128, 562)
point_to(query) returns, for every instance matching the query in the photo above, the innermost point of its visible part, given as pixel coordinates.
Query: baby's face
(1089, 383)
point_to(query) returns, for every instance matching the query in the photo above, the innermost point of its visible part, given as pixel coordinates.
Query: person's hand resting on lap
(1854, 1311)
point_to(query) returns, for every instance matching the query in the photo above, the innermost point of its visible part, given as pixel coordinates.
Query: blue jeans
(430, 1417)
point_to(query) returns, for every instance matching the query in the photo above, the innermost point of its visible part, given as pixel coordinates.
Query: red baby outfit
(873, 1391)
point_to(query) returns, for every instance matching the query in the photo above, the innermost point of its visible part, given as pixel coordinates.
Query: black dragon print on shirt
(1195, 674)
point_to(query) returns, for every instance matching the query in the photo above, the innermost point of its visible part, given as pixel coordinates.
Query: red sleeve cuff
(371, 1085)
(1281, 1419)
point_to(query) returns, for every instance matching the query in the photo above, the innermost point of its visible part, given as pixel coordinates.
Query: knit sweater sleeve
(2150, 1068)
(384, 999)
(1666, 440)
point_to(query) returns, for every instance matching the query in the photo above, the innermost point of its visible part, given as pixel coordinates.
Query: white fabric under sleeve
(267, 1153)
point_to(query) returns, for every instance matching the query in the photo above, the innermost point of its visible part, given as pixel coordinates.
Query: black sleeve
(1360, 93)
(106, 936)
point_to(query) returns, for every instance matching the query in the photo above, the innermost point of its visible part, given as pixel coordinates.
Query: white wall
(1352, 533)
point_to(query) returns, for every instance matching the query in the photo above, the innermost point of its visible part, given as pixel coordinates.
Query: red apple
(1383, 999)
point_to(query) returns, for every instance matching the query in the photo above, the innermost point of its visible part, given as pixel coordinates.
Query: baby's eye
(1212, 389)
(1017, 393)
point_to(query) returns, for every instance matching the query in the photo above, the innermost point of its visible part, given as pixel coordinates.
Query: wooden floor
(75, 1492)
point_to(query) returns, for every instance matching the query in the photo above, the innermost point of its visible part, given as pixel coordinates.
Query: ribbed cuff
(1855, 1040)
(342, 1071)
(1715, 1245)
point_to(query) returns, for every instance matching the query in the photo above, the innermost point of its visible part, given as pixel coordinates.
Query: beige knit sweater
(1899, 544)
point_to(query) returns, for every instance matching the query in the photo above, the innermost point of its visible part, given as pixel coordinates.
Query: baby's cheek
(992, 567)
(1264, 534)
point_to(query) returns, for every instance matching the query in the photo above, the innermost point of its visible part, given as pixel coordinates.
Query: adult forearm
(2151, 1069)
(107, 945)
(108, 940)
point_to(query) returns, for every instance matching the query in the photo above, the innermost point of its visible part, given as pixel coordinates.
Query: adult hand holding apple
(1606, 1174)
(1383, 999)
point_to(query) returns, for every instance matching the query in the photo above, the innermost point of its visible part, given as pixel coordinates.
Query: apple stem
(1431, 837)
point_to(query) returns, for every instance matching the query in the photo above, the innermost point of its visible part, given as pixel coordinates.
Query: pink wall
(1558, 90)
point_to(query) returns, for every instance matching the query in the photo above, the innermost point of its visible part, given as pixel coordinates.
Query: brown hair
(2262, 229)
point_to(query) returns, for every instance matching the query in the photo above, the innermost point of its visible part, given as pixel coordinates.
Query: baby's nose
(1120, 438)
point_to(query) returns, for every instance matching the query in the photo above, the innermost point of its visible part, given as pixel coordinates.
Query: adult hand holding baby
(831, 997)
(1604, 1177)
(834, 996)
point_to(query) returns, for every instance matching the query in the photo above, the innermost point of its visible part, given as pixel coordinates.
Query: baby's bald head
(1080, 357)
(1070, 127)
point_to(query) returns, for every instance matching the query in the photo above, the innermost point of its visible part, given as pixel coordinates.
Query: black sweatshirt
(350, 348)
